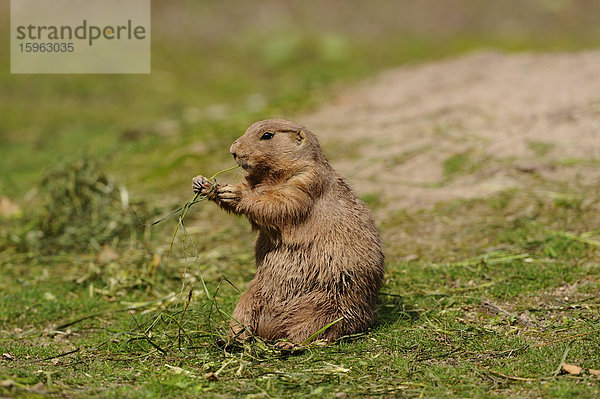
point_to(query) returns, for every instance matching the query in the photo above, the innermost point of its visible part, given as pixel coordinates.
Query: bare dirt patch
(467, 127)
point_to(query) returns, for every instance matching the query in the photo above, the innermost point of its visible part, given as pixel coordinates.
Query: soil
(467, 127)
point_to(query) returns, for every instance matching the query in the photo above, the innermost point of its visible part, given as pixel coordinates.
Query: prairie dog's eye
(267, 136)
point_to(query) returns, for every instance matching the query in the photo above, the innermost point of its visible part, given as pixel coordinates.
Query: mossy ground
(488, 305)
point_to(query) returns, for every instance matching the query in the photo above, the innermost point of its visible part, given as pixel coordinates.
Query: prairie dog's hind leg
(308, 316)
(243, 324)
(300, 332)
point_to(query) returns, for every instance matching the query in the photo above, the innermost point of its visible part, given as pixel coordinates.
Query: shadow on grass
(392, 308)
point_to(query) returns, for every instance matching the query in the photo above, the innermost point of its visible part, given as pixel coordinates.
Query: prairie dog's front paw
(202, 185)
(229, 194)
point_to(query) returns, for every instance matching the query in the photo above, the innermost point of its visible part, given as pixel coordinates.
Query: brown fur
(318, 253)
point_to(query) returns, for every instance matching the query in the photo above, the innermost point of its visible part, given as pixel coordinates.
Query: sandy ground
(511, 121)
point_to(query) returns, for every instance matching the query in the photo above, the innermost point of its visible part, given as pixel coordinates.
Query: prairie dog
(318, 253)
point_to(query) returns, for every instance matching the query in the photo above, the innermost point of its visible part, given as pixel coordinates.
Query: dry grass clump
(77, 208)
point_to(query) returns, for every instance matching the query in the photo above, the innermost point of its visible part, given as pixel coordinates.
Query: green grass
(482, 298)
(461, 164)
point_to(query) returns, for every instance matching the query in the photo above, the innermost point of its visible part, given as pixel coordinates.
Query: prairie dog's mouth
(243, 163)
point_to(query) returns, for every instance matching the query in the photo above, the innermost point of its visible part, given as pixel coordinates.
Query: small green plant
(540, 148)
(460, 164)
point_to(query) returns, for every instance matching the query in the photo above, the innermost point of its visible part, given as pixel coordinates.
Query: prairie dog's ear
(300, 136)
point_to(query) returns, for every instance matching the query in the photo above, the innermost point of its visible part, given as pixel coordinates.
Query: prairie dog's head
(275, 144)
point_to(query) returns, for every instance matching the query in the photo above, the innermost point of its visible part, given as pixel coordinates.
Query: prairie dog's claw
(201, 185)
(228, 194)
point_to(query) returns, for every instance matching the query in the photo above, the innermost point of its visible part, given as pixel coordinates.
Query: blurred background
(218, 66)
(87, 162)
